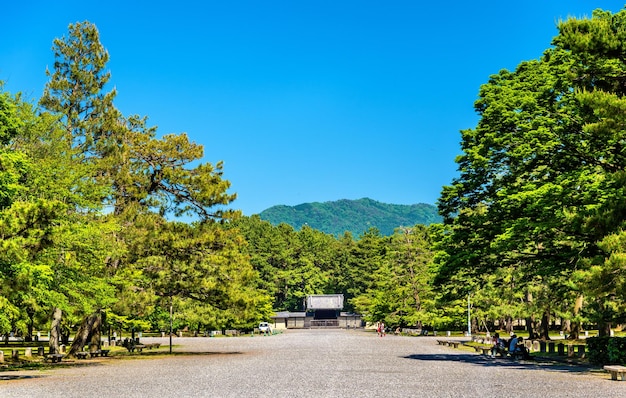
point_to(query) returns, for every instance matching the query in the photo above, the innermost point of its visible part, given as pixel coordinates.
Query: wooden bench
(616, 370)
(152, 345)
(100, 353)
(54, 358)
(449, 343)
(82, 354)
(139, 347)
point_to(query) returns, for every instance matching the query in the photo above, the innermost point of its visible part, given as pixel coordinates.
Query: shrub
(607, 350)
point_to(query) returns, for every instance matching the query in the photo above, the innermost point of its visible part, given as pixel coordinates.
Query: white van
(265, 328)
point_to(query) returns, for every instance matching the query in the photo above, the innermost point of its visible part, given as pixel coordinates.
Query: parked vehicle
(265, 328)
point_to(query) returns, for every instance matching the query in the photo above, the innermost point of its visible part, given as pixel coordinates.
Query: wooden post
(28, 352)
(40, 351)
(551, 347)
(561, 349)
(15, 354)
(570, 351)
(1, 356)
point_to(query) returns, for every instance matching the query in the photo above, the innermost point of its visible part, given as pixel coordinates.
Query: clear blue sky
(304, 101)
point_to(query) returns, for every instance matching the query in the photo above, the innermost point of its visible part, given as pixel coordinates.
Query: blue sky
(304, 101)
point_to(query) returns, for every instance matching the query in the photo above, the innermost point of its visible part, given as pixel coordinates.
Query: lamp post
(469, 318)
(171, 322)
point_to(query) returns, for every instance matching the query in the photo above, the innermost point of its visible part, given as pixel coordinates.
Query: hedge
(607, 350)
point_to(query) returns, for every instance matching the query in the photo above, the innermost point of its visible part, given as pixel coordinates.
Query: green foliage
(534, 224)
(607, 350)
(402, 293)
(10, 124)
(84, 192)
(354, 216)
(291, 264)
(541, 179)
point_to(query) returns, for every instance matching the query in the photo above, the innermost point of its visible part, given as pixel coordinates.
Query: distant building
(322, 311)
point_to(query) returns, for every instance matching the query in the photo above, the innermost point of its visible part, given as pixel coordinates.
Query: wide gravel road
(312, 363)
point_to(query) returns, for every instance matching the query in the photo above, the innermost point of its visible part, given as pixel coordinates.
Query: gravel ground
(307, 363)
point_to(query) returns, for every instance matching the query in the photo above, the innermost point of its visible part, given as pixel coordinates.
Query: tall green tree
(540, 173)
(127, 169)
(76, 87)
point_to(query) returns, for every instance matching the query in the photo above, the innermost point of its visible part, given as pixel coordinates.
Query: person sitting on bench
(498, 346)
(517, 347)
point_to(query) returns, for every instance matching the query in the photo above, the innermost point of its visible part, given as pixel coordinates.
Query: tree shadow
(179, 353)
(165, 354)
(532, 364)
(4, 377)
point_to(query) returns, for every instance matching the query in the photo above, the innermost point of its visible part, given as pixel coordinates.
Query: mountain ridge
(354, 216)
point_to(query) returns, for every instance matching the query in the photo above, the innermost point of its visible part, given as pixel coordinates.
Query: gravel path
(312, 363)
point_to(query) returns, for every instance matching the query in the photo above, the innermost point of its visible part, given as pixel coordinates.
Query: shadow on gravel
(164, 354)
(18, 377)
(480, 360)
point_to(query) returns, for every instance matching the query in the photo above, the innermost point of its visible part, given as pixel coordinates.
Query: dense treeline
(533, 225)
(354, 216)
(381, 277)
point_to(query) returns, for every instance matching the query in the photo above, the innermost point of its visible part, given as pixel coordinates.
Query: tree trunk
(604, 328)
(576, 325)
(88, 333)
(530, 320)
(544, 332)
(566, 326)
(65, 336)
(509, 324)
(55, 331)
(605, 319)
(30, 327)
(530, 327)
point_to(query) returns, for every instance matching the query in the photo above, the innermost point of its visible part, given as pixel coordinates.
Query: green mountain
(356, 216)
